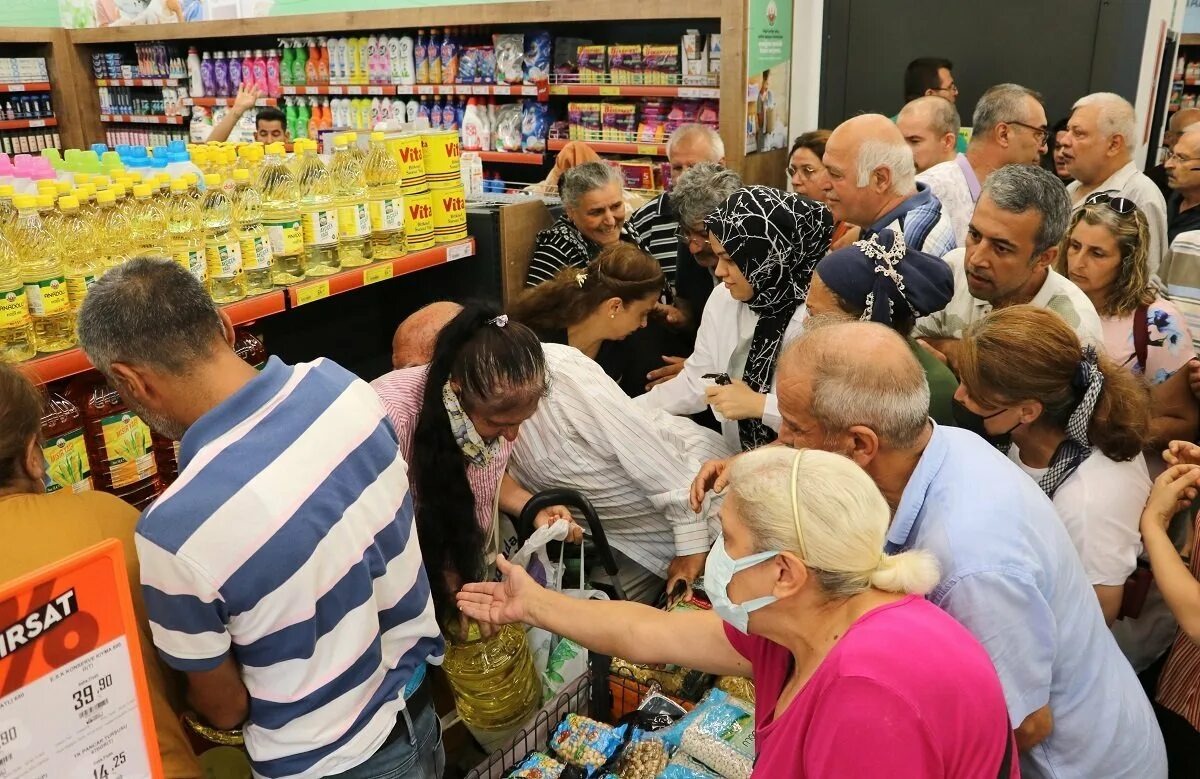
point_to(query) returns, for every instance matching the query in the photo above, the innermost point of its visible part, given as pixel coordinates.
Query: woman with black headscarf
(880, 279)
(767, 243)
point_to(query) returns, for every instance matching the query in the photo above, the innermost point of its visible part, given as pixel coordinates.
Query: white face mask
(719, 570)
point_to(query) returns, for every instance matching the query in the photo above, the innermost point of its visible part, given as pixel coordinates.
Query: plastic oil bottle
(76, 236)
(252, 236)
(8, 212)
(16, 328)
(350, 195)
(119, 444)
(185, 235)
(386, 203)
(64, 447)
(226, 281)
(280, 195)
(317, 212)
(112, 231)
(44, 278)
(149, 223)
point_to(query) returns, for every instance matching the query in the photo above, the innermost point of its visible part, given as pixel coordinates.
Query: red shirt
(906, 692)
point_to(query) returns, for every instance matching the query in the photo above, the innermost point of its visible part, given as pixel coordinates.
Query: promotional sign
(73, 695)
(768, 69)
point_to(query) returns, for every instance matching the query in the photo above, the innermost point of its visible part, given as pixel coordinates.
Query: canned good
(410, 156)
(418, 221)
(449, 214)
(443, 158)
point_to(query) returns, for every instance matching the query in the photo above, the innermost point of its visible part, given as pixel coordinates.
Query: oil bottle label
(354, 221)
(127, 442)
(48, 297)
(320, 227)
(287, 238)
(387, 214)
(256, 252)
(67, 466)
(195, 262)
(224, 259)
(77, 287)
(14, 310)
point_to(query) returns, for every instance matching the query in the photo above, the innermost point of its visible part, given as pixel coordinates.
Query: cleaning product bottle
(421, 59)
(221, 74)
(75, 231)
(322, 61)
(373, 116)
(403, 69)
(252, 235)
(449, 57)
(280, 195)
(303, 117)
(299, 63)
(148, 222)
(385, 202)
(16, 328)
(372, 60)
(318, 213)
(285, 63)
(337, 64)
(112, 230)
(291, 115)
(256, 78)
(184, 231)
(412, 109)
(63, 447)
(313, 65)
(472, 128)
(207, 78)
(433, 54)
(274, 71)
(195, 77)
(234, 66)
(350, 198)
(222, 252)
(44, 278)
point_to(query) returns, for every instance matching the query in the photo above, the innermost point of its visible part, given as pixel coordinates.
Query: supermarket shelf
(636, 90)
(139, 82)
(511, 157)
(354, 278)
(609, 147)
(31, 86)
(25, 124)
(520, 90)
(60, 365)
(341, 89)
(226, 101)
(141, 119)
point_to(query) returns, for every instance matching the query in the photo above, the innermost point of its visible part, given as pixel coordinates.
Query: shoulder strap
(1141, 335)
(1006, 762)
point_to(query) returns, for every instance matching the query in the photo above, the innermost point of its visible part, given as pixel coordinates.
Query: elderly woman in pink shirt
(856, 674)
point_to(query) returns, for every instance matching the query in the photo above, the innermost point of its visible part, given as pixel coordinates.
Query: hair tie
(581, 279)
(499, 321)
(1086, 370)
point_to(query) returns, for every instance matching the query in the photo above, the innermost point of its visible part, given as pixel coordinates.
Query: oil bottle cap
(179, 185)
(24, 201)
(241, 174)
(7, 190)
(212, 181)
(106, 196)
(141, 191)
(45, 201)
(68, 202)
(275, 148)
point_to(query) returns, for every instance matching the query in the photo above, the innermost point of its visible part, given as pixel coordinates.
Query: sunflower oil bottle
(75, 238)
(8, 213)
(385, 202)
(112, 231)
(149, 223)
(46, 210)
(252, 236)
(280, 193)
(184, 232)
(16, 328)
(44, 279)
(350, 196)
(318, 213)
(226, 281)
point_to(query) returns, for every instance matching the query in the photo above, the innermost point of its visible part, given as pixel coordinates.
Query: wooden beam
(29, 34)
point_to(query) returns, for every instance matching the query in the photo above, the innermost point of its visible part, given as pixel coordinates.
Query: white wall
(807, 26)
(1164, 15)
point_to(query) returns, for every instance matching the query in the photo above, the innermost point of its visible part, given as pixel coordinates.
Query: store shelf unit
(28, 124)
(141, 119)
(138, 82)
(613, 147)
(32, 86)
(512, 157)
(225, 101)
(53, 45)
(354, 278)
(540, 91)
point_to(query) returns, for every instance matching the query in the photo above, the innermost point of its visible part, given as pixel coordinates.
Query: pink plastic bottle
(273, 86)
(248, 69)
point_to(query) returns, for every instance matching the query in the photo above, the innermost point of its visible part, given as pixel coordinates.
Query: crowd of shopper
(943, 504)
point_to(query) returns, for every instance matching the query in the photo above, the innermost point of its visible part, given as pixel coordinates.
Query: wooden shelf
(140, 119)
(139, 82)
(225, 101)
(32, 86)
(510, 157)
(27, 124)
(61, 365)
(353, 278)
(609, 147)
(636, 90)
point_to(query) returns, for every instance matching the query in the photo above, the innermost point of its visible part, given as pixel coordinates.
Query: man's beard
(165, 427)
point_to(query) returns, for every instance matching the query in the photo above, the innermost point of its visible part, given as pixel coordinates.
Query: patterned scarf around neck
(776, 239)
(1076, 448)
(478, 451)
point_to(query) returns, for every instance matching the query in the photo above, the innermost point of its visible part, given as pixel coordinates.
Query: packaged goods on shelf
(28, 141)
(19, 70)
(149, 61)
(15, 107)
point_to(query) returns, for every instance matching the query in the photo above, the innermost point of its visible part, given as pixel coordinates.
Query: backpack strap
(1141, 336)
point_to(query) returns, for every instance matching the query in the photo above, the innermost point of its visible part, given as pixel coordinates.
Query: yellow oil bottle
(385, 202)
(16, 328)
(44, 278)
(350, 196)
(76, 231)
(112, 231)
(252, 236)
(318, 212)
(280, 193)
(226, 281)
(149, 223)
(185, 234)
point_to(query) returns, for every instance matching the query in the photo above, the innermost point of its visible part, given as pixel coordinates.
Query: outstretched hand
(713, 477)
(500, 603)
(1173, 491)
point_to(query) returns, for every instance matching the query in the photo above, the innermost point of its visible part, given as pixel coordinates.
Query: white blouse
(722, 346)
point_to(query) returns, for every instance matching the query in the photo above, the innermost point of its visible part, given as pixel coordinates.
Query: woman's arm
(685, 393)
(1173, 490)
(1110, 600)
(1175, 411)
(645, 635)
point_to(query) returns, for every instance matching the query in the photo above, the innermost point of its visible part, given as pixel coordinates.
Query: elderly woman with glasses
(806, 604)
(1105, 254)
(806, 172)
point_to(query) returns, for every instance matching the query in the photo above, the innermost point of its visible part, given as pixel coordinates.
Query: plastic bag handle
(571, 499)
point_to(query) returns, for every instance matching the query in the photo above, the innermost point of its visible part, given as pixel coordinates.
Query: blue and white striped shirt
(289, 539)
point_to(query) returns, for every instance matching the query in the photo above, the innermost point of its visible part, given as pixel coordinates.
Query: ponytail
(914, 572)
(1120, 424)
(496, 365)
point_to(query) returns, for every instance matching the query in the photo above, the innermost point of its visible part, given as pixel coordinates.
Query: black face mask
(969, 420)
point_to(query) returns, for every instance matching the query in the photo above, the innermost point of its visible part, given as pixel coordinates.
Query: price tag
(16, 88)
(336, 91)
(424, 89)
(480, 90)
(649, 150)
(37, 122)
(459, 250)
(310, 91)
(378, 273)
(558, 89)
(308, 294)
(446, 90)
(610, 91)
(529, 91)
(374, 90)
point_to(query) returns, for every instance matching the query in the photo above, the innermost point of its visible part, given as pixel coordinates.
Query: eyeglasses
(686, 236)
(952, 88)
(1122, 205)
(1182, 160)
(807, 172)
(1040, 134)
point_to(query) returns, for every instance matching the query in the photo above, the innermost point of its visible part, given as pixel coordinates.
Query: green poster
(289, 7)
(31, 13)
(769, 35)
(768, 72)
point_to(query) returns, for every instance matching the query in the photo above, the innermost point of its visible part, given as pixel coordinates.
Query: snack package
(486, 73)
(468, 65)
(534, 125)
(593, 64)
(683, 767)
(625, 64)
(507, 132)
(510, 57)
(584, 121)
(537, 57)
(673, 736)
(643, 759)
(619, 121)
(537, 766)
(722, 738)
(585, 743)
(660, 64)
(637, 174)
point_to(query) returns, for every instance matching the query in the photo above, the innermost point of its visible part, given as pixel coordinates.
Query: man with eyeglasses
(1180, 269)
(1010, 127)
(932, 76)
(1177, 125)
(1182, 167)
(1098, 148)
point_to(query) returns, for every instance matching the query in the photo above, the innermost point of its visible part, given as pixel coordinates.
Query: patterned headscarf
(775, 238)
(1077, 447)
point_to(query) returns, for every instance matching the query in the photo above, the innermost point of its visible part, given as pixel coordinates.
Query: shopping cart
(598, 542)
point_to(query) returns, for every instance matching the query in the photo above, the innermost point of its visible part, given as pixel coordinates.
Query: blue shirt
(926, 226)
(289, 541)
(1011, 575)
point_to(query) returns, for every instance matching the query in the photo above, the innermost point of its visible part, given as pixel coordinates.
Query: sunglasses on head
(1122, 205)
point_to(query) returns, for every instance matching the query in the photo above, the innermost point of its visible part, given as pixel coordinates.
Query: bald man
(1009, 571)
(415, 337)
(871, 184)
(930, 128)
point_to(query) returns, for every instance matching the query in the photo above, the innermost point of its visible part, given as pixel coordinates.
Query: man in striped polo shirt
(281, 571)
